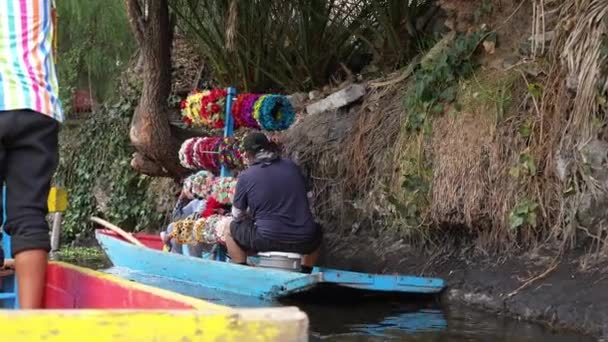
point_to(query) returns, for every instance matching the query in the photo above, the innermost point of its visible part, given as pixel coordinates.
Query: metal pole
(225, 172)
(229, 124)
(56, 231)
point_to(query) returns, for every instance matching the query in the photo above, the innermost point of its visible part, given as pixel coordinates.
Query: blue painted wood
(415, 322)
(8, 288)
(378, 282)
(237, 279)
(7, 296)
(228, 124)
(220, 253)
(252, 281)
(191, 289)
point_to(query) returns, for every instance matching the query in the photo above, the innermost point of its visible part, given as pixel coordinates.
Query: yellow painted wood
(281, 324)
(206, 322)
(57, 200)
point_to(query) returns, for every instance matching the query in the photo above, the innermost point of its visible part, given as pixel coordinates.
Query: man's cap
(255, 142)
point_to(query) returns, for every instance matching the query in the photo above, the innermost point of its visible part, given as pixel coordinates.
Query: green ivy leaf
(531, 166)
(526, 129)
(527, 162)
(514, 172)
(535, 89)
(515, 221)
(437, 108)
(531, 219)
(449, 94)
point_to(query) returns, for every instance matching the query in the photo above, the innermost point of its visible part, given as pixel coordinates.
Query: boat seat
(280, 260)
(281, 254)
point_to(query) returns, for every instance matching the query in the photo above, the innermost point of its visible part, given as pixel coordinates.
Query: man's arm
(240, 202)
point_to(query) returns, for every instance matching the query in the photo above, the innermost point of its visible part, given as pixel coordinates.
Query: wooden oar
(118, 231)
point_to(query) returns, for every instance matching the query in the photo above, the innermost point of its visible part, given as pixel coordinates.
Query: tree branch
(136, 19)
(143, 165)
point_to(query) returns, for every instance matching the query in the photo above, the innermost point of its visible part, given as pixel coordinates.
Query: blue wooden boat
(264, 283)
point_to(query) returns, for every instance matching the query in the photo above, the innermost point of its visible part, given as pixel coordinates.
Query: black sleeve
(240, 194)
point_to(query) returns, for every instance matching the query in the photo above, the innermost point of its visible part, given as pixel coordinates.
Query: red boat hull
(75, 288)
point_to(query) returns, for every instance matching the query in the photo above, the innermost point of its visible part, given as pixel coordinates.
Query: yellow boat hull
(86, 305)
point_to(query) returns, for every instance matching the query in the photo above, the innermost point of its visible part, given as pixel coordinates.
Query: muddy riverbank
(562, 298)
(566, 294)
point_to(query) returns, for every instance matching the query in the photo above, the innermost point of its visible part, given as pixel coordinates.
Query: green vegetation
(436, 83)
(95, 43)
(92, 257)
(95, 158)
(416, 188)
(494, 92)
(523, 213)
(297, 45)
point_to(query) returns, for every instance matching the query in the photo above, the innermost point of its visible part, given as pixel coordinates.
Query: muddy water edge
(339, 315)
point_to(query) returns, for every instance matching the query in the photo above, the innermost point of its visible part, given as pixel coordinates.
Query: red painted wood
(150, 241)
(69, 288)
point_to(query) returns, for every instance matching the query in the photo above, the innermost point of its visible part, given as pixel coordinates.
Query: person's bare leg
(30, 267)
(235, 252)
(310, 260)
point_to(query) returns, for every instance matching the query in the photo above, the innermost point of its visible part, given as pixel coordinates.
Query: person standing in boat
(30, 113)
(271, 207)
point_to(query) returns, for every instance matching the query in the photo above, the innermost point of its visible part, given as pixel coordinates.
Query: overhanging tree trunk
(150, 129)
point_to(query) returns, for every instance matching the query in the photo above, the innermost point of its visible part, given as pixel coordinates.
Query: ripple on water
(353, 316)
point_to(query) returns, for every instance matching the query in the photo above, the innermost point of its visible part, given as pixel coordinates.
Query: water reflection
(369, 322)
(338, 314)
(411, 322)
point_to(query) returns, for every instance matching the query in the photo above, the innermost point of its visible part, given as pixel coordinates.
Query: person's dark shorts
(245, 234)
(28, 159)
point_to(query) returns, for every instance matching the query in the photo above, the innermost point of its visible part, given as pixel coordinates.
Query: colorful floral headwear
(242, 110)
(200, 184)
(223, 189)
(274, 113)
(191, 108)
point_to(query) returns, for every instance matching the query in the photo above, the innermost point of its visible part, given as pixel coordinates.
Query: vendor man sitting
(270, 208)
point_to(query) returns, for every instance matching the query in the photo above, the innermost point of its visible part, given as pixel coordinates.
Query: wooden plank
(380, 282)
(252, 281)
(266, 325)
(118, 231)
(184, 318)
(242, 280)
(96, 290)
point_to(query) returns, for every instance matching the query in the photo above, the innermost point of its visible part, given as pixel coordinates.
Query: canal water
(353, 316)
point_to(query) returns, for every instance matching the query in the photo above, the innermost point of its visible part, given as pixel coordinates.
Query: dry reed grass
(474, 152)
(348, 154)
(461, 148)
(572, 112)
(358, 157)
